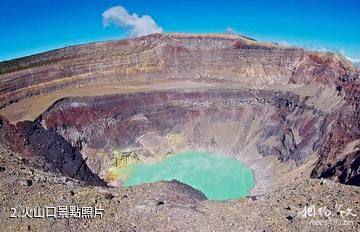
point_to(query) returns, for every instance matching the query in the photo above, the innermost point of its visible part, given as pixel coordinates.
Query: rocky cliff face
(155, 57)
(34, 141)
(283, 111)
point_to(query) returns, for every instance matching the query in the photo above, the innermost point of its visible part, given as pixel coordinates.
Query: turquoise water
(217, 177)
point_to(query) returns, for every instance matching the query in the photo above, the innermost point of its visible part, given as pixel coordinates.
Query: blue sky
(32, 26)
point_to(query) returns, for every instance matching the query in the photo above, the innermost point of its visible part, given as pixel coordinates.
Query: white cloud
(328, 49)
(340, 51)
(355, 61)
(230, 30)
(324, 49)
(135, 24)
(284, 43)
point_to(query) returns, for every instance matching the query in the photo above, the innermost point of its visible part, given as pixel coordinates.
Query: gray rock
(24, 182)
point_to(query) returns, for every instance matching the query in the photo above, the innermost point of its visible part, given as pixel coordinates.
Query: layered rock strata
(284, 111)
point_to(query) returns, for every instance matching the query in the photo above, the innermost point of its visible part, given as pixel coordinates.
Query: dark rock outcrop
(31, 139)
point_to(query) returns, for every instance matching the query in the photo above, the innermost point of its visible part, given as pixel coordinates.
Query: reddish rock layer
(298, 129)
(269, 118)
(169, 56)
